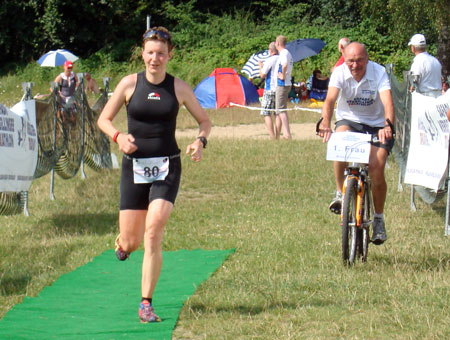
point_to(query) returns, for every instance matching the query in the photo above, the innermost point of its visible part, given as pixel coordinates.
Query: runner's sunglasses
(159, 34)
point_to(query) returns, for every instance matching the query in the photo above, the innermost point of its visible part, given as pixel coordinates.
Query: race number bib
(349, 147)
(148, 170)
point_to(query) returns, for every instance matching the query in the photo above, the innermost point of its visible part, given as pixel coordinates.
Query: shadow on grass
(36, 260)
(98, 224)
(244, 309)
(419, 263)
(51, 253)
(13, 284)
(440, 210)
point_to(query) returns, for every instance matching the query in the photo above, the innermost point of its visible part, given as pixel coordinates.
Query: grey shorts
(268, 103)
(363, 128)
(281, 97)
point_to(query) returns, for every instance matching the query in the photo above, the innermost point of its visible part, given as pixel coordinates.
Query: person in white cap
(427, 67)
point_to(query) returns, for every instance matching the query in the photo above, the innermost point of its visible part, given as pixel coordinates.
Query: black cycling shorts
(372, 130)
(138, 196)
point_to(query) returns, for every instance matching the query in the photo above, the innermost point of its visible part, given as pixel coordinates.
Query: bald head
(356, 48)
(356, 58)
(342, 44)
(273, 48)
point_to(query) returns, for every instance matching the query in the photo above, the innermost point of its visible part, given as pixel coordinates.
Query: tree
(401, 19)
(18, 33)
(443, 22)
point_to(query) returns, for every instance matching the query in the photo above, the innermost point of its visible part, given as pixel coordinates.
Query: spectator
(427, 67)
(292, 96)
(444, 86)
(319, 85)
(316, 73)
(268, 71)
(90, 84)
(342, 44)
(67, 81)
(303, 91)
(284, 66)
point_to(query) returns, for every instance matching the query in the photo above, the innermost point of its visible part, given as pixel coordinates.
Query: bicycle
(357, 207)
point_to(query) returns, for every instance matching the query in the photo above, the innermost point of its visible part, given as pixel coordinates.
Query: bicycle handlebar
(374, 138)
(318, 125)
(391, 126)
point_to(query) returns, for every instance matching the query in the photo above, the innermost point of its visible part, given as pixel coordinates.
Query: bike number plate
(349, 147)
(148, 170)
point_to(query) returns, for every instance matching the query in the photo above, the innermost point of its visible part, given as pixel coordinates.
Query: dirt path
(254, 131)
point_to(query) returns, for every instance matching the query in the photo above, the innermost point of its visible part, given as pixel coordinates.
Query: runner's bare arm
(187, 98)
(121, 95)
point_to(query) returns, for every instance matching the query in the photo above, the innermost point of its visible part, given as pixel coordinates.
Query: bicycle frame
(358, 172)
(356, 213)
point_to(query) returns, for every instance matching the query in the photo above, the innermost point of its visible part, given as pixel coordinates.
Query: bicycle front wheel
(364, 232)
(349, 229)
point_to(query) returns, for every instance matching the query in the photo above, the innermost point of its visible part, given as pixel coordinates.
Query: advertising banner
(18, 146)
(428, 150)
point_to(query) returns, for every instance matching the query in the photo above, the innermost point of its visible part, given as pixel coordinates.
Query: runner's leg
(158, 213)
(132, 227)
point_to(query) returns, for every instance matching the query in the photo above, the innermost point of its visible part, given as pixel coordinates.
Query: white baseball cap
(417, 40)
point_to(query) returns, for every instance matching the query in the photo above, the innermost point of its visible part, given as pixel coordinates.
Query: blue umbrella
(56, 58)
(303, 48)
(300, 49)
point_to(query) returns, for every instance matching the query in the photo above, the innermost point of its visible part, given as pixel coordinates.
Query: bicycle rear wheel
(349, 229)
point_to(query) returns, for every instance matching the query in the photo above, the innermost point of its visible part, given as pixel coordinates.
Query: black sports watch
(203, 140)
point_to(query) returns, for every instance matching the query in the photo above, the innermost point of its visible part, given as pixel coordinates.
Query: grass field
(268, 200)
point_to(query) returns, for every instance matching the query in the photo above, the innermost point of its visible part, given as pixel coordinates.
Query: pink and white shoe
(120, 253)
(147, 313)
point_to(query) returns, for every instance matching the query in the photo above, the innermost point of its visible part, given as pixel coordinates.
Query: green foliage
(231, 31)
(401, 19)
(204, 41)
(52, 22)
(336, 12)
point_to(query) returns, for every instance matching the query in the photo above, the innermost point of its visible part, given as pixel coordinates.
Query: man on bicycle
(364, 104)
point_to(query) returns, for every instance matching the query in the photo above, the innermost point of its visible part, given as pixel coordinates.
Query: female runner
(151, 165)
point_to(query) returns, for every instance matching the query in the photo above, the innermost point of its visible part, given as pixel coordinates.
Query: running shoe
(379, 231)
(147, 313)
(121, 254)
(336, 203)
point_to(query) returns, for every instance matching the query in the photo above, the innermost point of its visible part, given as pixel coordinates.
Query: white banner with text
(18, 146)
(428, 149)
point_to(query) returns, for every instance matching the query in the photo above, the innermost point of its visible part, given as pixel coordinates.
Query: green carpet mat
(100, 300)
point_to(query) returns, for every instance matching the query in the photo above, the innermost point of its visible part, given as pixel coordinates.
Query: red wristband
(115, 136)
